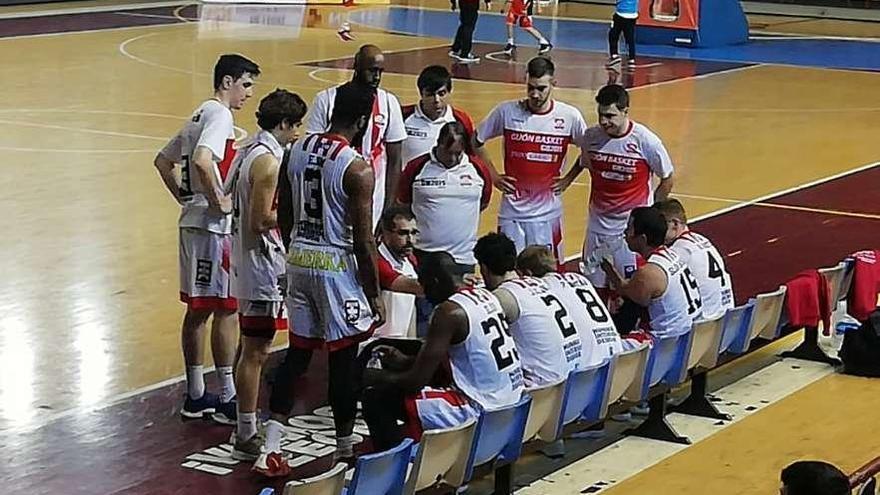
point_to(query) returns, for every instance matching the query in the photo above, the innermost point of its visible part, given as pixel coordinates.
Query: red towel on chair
(808, 300)
(862, 298)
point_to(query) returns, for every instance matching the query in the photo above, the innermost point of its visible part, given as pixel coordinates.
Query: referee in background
(468, 11)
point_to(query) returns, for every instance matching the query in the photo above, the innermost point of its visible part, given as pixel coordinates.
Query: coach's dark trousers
(468, 11)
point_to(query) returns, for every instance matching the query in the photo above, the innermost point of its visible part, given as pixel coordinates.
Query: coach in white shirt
(397, 272)
(447, 192)
(381, 143)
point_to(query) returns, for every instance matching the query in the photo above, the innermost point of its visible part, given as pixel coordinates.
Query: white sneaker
(468, 59)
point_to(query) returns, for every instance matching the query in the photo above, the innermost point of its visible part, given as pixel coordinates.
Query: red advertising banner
(678, 14)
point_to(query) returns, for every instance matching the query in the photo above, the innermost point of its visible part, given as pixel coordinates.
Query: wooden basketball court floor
(775, 147)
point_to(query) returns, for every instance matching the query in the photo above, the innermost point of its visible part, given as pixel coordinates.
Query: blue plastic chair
(586, 394)
(736, 324)
(382, 473)
(667, 363)
(499, 434)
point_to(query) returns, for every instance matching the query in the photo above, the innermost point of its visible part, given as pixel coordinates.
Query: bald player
(382, 143)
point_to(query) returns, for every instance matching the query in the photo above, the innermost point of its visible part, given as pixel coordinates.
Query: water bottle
(604, 250)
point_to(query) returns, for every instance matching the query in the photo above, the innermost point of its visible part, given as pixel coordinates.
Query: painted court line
(761, 199)
(89, 10)
(841, 213)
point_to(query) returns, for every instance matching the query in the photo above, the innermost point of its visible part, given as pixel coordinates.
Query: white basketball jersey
(316, 167)
(486, 366)
(707, 266)
(674, 311)
(258, 259)
(545, 335)
(591, 317)
(211, 127)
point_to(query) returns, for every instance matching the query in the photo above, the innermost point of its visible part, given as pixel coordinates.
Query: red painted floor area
(574, 69)
(138, 445)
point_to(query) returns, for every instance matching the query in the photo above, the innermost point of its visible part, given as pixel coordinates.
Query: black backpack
(860, 351)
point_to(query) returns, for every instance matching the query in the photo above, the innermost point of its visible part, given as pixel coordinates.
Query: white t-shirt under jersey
(385, 126)
(535, 146)
(210, 126)
(620, 171)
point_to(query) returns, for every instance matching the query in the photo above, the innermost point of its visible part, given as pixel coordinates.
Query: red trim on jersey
(407, 111)
(408, 176)
(412, 427)
(629, 130)
(337, 149)
(465, 120)
(375, 148)
(483, 172)
(308, 141)
(318, 343)
(387, 273)
(336, 137)
(200, 303)
(228, 155)
(261, 326)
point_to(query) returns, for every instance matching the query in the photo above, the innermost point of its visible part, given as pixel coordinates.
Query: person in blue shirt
(624, 21)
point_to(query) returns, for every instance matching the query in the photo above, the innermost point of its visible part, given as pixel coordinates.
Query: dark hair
(351, 103)
(651, 223)
(434, 77)
(814, 478)
(393, 212)
(537, 260)
(540, 67)
(613, 94)
(233, 65)
(497, 252)
(280, 106)
(672, 208)
(438, 275)
(456, 130)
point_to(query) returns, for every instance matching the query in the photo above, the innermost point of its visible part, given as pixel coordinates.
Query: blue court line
(592, 36)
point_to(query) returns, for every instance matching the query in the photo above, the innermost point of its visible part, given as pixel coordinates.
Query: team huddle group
(362, 234)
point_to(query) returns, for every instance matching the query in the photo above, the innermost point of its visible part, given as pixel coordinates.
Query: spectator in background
(468, 12)
(813, 478)
(623, 21)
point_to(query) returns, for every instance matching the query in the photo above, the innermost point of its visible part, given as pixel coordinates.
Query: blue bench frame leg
(656, 427)
(809, 349)
(697, 404)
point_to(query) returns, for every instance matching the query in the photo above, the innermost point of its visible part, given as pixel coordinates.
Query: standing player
(424, 120)
(537, 132)
(258, 266)
(519, 12)
(546, 338)
(204, 150)
(622, 156)
(702, 258)
(382, 142)
(333, 288)
(468, 335)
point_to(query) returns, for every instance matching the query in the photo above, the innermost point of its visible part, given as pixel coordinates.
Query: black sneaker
(544, 48)
(226, 413)
(509, 48)
(197, 408)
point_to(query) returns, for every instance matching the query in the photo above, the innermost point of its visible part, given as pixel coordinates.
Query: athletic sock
(274, 434)
(247, 425)
(195, 382)
(227, 383)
